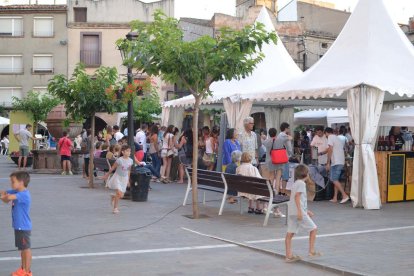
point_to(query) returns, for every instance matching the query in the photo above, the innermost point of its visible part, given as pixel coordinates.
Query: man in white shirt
(321, 142)
(335, 163)
(118, 135)
(248, 140)
(141, 137)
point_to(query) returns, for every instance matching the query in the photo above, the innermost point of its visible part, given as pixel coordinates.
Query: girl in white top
(167, 153)
(247, 169)
(120, 180)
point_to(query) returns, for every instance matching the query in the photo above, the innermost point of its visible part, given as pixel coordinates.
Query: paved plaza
(154, 238)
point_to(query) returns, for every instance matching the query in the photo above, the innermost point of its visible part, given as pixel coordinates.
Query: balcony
(91, 58)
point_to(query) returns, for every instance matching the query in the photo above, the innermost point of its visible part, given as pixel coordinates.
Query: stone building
(33, 48)
(95, 25)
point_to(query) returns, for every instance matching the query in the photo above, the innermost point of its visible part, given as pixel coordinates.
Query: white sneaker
(345, 200)
(63, 173)
(279, 214)
(70, 173)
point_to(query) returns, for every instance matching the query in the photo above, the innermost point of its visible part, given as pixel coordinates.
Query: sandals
(315, 254)
(251, 211)
(293, 259)
(259, 212)
(231, 200)
(115, 211)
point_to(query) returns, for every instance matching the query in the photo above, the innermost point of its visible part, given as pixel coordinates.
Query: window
(90, 53)
(42, 64)
(324, 45)
(7, 94)
(11, 26)
(79, 14)
(11, 64)
(43, 26)
(40, 89)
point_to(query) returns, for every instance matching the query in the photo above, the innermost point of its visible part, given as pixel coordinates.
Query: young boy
(299, 215)
(20, 198)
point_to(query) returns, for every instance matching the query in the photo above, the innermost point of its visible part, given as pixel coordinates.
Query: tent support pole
(360, 171)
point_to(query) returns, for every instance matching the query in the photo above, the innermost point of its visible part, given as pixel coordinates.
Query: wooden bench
(222, 183)
(103, 164)
(207, 181)
(256, 186)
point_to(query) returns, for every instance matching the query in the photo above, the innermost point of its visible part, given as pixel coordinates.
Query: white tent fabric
(398, 117)
(371, 52)
(365, 105)
(275, 116)
(237, 112)
(165, 116)
(4, 121)
(325, 117)
(276, 68)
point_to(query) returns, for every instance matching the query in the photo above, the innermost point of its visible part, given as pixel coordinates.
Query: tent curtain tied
(274, 116)
(364, 110)
(237, 112)
(165, 116)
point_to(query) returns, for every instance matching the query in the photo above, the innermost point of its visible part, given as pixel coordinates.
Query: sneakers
(21, 272)
(70, 173)
(279, 214)
(63, 173)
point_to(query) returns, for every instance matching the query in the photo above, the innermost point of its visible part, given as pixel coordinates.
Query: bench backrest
(207, 178)
(247, 184)
(102, 163)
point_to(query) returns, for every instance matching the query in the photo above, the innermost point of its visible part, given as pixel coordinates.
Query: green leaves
(36, 105)
(84, 94)
(160, 50)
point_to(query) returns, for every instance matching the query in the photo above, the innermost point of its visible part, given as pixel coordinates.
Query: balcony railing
(91, 58)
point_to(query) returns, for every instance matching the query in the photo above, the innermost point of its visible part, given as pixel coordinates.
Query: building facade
(33, 48)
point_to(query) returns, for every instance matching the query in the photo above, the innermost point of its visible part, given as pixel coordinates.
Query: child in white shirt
(299, 215)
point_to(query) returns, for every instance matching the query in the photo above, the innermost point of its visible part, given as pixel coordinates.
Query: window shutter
(43, 27)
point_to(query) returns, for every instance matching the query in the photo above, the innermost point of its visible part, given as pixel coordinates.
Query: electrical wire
(105, 233)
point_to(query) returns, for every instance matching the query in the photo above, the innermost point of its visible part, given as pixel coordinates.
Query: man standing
(321, 142)
(141, 138)
(23, 138)
(118, 135)
(65, 147)
(248, 140)
(335, 163)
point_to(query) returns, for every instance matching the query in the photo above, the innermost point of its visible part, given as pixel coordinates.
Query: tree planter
(56, 123)
(16, 160)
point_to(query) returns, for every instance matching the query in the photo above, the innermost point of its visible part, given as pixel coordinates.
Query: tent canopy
(4, 121)
(398, 117)
(325, 117)
(276, 68)
(371, 50)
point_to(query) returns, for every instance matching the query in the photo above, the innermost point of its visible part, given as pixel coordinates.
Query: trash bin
(140, 181)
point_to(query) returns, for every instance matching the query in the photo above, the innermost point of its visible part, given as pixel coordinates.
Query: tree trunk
(195, 157)
(34, 135)
(91, 150)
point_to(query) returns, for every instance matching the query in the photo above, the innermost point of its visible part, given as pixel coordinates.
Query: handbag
(279, 156)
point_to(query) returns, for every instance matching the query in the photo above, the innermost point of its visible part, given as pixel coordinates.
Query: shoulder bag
(278, 156)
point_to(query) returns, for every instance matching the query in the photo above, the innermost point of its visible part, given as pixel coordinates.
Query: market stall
(324, 117)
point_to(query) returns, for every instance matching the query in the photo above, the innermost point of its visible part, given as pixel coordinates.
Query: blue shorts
(336, 172)
(285, 172)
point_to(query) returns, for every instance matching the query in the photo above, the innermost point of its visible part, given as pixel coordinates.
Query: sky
(401, 10)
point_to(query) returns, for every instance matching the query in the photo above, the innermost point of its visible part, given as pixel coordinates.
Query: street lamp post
(125, 54)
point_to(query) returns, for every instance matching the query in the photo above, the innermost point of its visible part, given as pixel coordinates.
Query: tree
(85, 95)
(160, 50)
(36, 105)
(146, 107)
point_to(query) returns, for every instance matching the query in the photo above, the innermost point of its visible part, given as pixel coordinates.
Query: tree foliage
(84, 95)
(160, 50)
(146, 107)
(36, 105)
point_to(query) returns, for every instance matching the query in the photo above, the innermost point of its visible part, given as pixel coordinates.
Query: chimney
(411, 23)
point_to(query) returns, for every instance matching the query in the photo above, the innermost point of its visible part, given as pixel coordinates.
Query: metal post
(131, 120)
(223, 130)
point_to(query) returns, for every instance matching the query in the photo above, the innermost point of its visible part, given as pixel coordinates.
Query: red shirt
(65, 146)
(139, 155)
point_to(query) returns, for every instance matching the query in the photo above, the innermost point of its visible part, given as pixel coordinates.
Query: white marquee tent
(398, 117)
(4, 121)
(367, 67)
(324, 117)
(276, 68)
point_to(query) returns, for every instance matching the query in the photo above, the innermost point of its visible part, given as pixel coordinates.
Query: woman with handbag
(275, 153)
(167, 153)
